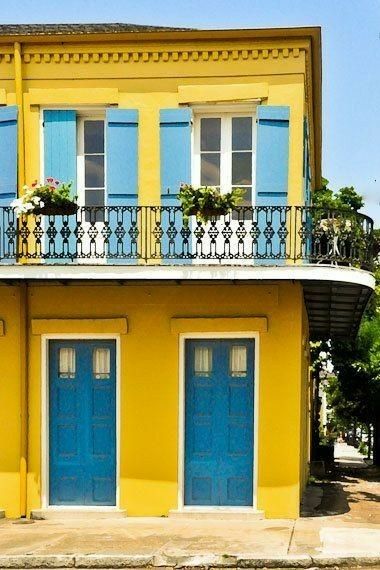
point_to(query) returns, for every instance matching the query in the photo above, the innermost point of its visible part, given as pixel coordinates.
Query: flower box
(207, 202)
(63, 209)
(50, 199)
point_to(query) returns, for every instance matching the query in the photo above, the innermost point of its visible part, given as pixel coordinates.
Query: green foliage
(207, 201)
(354, 393)
(363, 448)
(54, 195)
(344, 199)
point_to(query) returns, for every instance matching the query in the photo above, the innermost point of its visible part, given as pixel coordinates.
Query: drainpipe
(23, 295)
(24, 363)
(20, 104)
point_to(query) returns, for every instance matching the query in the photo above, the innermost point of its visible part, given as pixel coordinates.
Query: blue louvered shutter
(122, 157)
(124, 242)
(60, 146)
(272, 168)
(60, 162)
(175, 151)
(175, 160)
(8, 154)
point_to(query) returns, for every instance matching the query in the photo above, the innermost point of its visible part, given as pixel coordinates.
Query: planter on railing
(64, 209)
(50, 199)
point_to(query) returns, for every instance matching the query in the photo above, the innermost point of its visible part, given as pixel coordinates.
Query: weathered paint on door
(219, 422)
(82, 422)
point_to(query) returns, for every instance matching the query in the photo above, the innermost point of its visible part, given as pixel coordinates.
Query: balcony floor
(335, 296)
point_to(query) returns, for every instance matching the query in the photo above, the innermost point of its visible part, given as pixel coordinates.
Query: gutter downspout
(24, 349)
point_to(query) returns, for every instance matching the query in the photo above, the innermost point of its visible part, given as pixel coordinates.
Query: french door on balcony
(91, 185)
(224, 157)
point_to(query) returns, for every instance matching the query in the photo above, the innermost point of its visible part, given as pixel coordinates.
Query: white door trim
(181, 417)
(45, 414)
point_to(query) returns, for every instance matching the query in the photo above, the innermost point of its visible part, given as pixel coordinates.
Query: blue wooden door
(82, 422)
(219, 422)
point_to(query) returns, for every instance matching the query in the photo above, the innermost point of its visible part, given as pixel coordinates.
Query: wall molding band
(211, 324)
(117, 325)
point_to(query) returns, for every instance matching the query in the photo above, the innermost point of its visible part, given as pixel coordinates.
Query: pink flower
(34, 184)
(49, 179)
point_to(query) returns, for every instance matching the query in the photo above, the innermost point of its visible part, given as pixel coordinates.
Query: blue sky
(351, 62)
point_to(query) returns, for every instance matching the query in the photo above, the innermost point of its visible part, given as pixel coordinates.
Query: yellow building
(151, 366)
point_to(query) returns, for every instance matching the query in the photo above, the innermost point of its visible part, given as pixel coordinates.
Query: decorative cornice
(145, 56)
(6, 57)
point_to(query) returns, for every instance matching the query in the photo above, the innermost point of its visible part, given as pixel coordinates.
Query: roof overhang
(335, 296)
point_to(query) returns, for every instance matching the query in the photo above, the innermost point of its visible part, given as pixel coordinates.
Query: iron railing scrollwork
(137, 234)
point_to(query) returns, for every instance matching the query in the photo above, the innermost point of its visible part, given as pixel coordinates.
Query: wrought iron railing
(265, 235)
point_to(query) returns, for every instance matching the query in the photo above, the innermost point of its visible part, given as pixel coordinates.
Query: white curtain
(203, 360)
(101, 362)
(67, 362)
(238, 360)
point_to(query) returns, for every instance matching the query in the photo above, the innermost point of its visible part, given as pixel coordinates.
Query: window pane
(94, 198)
(66, 362)
(210, 169)
(238, 361)
(94, 171)
(246, 201)
(242, 168)
(93, 137)
(203, 361)
(241, 133)
(210, 134)
(101, 363)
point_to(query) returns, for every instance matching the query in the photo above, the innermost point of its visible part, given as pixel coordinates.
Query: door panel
(219, 422)
(82, 424)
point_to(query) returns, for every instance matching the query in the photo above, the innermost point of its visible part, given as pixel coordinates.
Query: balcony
(142, 234)
(329, 251)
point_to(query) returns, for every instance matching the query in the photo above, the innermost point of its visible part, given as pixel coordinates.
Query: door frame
(45, 441)
(181, 416)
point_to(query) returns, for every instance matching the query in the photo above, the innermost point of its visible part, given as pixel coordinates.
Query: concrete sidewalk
(340, 527)
(138, 542)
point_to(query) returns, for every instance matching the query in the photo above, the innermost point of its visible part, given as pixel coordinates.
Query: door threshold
(218, 513)
(67, 513)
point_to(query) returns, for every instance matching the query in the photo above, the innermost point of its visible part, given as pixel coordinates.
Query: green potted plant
(51, 199)
(206, 202)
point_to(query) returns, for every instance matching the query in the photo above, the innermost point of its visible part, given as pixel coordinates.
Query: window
(101, 363)
(238, 361)
(224, 152)
(67, 363)
(91, 165)
(203, 361)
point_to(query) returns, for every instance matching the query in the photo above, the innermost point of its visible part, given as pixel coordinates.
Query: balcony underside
(335, 309)
(335, 296)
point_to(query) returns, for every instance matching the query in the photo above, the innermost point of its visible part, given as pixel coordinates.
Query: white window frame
(83, 116)
(226, 113)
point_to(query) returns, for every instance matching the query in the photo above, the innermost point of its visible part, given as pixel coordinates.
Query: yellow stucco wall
(149, 384)
(10, 400)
